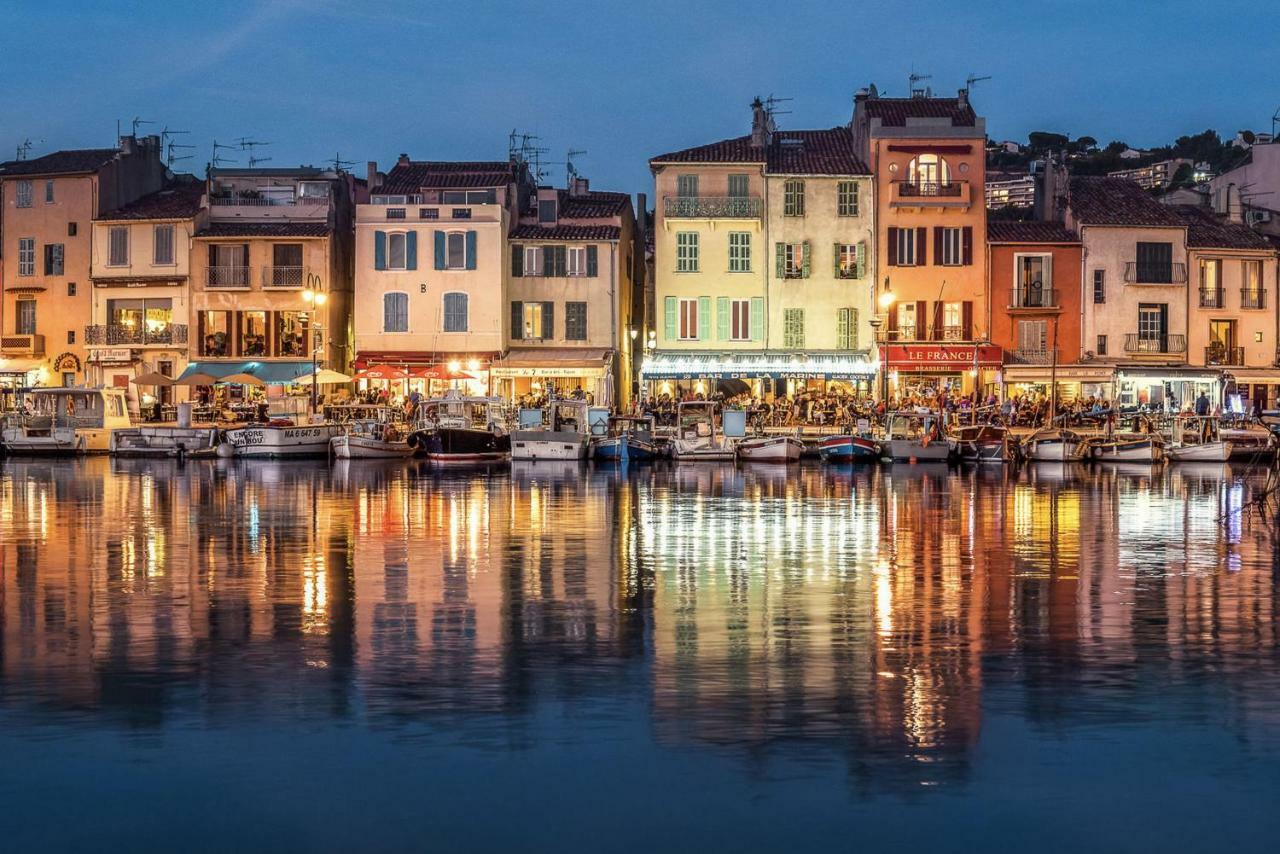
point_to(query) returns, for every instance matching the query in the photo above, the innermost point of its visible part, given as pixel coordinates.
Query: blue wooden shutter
(757, 318)
(517, 320)
(471, 250)
(411, 250)
(593, 261)
(670, 308)
(379, 250)
(441, 252)
(704, 318)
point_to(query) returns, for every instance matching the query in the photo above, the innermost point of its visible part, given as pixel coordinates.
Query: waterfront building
(928, 156)
(140, 272)
(1034, 270)
(271, 289)
(430, 260)
(1231, 323)
(573, 258)
(764, 247)
(48, 205)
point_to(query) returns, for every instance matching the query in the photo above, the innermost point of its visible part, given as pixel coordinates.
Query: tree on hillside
(1041, 141)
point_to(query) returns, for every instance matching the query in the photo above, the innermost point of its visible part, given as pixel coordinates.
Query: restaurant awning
(271, 373)
(748, 364)
(552, 362)
(941, 357)
(20, 366)
(1065, 373)
(407, 358)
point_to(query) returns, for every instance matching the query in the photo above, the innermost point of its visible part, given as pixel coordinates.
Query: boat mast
(1053, 375)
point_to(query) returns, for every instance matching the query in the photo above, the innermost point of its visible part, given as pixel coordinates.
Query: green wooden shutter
(411, 250)
(440, 252)
(593, 261)
(549, 320)
(862, 259)
(842, 329)
(779, 252)
(835, 260)
(562, 260)
(379, 250)
(471, 250)
(704, 318)
(670, 307)
(804, 260)
(722, 318)
(517, 261)
(757, 318)
(517, 320)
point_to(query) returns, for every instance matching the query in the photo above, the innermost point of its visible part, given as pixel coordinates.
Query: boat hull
(701, 451)
(1206, 452)
(638, 450)
(164, 442)
(461, 446)
(59, 441)
(1051, 450)
(548, 445)
(1128, 451)
(848, 449)
(311, 440)
(782, 449)
(366, 448)
(914, 449)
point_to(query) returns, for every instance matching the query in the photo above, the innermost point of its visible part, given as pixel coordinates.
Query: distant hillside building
(1157, 176)
(1009, 190)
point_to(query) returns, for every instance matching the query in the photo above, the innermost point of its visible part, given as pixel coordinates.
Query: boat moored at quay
(279, 439)
(458, 430)
(65, 421)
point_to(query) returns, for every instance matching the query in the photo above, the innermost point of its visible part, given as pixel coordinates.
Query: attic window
(546, 210)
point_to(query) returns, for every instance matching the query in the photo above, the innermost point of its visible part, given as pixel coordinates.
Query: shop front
(763, 375)
(556, 372)
(1157, 388)
(929, 369)
(1073, 382)
(1255, 388)
(279, 386)
(18, 374)
(430, 374)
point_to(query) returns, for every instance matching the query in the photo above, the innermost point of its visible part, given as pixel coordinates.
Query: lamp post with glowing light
(314, 299)
(886, 301)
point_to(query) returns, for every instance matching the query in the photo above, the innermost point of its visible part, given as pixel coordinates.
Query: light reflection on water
(870, 652)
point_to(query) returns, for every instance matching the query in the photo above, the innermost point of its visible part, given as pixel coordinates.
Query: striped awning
(748, 364)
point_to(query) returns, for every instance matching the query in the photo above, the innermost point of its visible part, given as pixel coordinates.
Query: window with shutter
(531, 320)
(670, 324)
(548, 320)
(517, 260)
(793, 328)
(456, 251)
(686, 252)
(757, 318)
(740, 320)
(847, 329)
(118, 246)
(455, 312)
(687, 312)
(847, 260)
(687, 186)
(739, 252)
(847, 198)
(162, 245)
(395, 312)
(793, 198)
(795, 258)
(739, 186)
(593, 261)
(517, 320)
(577, 261)
(575, 321)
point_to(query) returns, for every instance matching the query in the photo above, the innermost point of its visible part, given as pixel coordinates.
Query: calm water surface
(290, 657)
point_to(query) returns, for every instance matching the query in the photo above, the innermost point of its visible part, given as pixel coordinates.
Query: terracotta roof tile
(404, 179)
(595, 204)
(265, 229)
(70, 162)
(181, 201)
(1207, 230)
(894, 112)
(1116, 201)
(1039, 231)
(566, 232)
(790, 152)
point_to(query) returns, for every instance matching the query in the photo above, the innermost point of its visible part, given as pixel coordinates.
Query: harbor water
(234, 655)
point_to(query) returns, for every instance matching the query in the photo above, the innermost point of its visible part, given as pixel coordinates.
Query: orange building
(928, 156)
(1034, 274)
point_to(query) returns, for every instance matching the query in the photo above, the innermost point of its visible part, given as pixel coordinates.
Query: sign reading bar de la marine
(957, 356)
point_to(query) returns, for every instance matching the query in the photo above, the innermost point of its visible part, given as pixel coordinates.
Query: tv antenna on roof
(172, 157)
(915, 78)
(570, 170)
(167, 133)
(1275, 120)
(24, 148)
(218, 159)
(340, 165)
(138, 121)
(973, 78)
(251, 145)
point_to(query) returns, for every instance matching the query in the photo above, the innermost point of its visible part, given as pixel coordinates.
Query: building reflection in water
(872, 617)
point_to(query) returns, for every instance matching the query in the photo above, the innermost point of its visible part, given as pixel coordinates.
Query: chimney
(579, 186)
(371, 174)
(127, 143)
(403, 160)
(963, 97)
(1235, 204)
(761, 124)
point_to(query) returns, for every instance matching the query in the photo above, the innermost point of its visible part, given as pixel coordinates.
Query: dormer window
(547, 210)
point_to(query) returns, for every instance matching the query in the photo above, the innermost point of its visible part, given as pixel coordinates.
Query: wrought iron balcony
(942, 194)
(916, 189)
(1136, 273)
(138, 335)
(712, 207)
(1135, 342)
(1211, 297)
(1218, 355)
(22, 345)
(1033, 298)
(284, 277)
(1253, 298)
(1032, 357)
(903, 333)
(950, 333)
(226, 277)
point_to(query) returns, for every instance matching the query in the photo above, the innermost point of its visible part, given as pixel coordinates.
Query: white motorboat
(371, 440)
(164, 441)
(699, 433)
(915, 436)
(770, 449)
(66, 421)
(1051, 445)
(280, 439)
(1133, 448)
(561, 432)
(1197, 439)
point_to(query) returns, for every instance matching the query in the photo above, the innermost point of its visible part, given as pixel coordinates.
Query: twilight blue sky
(623, 80)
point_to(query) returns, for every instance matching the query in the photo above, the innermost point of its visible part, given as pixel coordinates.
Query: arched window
(929, 173)
(455, 312)
(395, 312)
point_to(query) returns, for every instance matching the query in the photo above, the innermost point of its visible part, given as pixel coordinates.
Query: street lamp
(886, 301)
(314, 301)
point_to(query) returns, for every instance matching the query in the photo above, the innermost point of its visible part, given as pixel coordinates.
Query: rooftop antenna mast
(973, 78)
(523, 149)
(1275, 120)
(24, 148)
(218, 159)
(251, 145)
(172, 157)
(570, 171)
(138, 121)
(915, 78)
(340, 165)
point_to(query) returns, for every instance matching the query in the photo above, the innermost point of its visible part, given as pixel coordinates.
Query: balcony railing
(1136, 273)
(903, 333)
(1033, 298)
(226, 277)
(928, 189)
(22, 345)
(712, 207)
(1032, 357)
(258, 201)
(111, 334)
(1137, 343)
(950, 333)
(1253, 298)
(1211, 298)
(1218, 355)
(284, 277)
